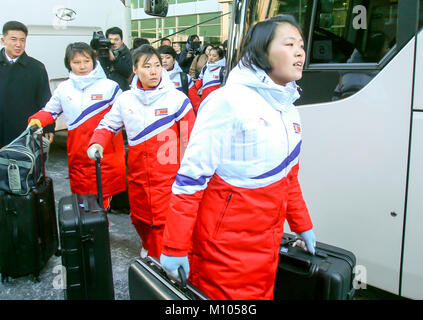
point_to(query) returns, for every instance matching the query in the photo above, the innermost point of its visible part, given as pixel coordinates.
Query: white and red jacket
(236, 186)
(175, 77)
(84, 100)
(158, 123)
(208, 81)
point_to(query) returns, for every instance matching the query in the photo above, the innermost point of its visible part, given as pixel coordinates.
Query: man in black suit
(24, 85)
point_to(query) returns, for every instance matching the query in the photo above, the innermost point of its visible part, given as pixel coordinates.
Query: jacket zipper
(222, 215)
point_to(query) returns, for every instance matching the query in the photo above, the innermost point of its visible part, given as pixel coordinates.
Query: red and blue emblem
(297, 127)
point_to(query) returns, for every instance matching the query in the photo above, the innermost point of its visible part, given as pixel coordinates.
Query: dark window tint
(353, 31)
(421, 15)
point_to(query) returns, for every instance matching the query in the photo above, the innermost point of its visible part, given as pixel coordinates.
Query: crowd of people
(212, 172)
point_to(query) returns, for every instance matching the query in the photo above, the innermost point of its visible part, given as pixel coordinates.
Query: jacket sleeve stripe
(182, 110)
(188, 181)
(95, 107)
(210, 83)
(113, 129)
(285, 163)
(161, 122)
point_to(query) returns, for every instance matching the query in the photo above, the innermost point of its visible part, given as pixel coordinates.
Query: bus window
(296, 8)
(353, 31)
(349, 41)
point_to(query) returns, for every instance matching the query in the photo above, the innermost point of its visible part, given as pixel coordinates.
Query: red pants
(151, 237)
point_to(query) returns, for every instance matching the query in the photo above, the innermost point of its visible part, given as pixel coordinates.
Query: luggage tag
(14, 177)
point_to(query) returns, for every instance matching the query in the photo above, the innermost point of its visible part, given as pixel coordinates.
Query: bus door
(412, 269)
(355, 109)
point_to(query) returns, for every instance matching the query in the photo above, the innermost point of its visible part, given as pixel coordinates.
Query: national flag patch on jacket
(96, 97)
(297, 127)
(161, 112)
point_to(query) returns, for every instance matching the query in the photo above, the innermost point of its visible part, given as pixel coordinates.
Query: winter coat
(84, 100)
(184, 61)
(197, 65)
(158, 123)
(236, 187)
(24, 89)
(119, 70)
(175, 77)
(208, 81)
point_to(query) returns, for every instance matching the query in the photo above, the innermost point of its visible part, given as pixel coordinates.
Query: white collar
(9, 58)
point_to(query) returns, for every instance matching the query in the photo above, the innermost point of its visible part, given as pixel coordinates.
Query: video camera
(101, 44)
(195, 47)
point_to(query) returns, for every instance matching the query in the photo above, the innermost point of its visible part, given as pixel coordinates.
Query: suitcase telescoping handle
(98, 176)
(183, 277)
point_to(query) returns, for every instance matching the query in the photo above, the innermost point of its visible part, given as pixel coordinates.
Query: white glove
(307, 241)
(93, 149)
(171, 264)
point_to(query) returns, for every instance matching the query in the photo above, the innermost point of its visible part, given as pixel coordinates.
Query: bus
(362, 115)
(53, 24)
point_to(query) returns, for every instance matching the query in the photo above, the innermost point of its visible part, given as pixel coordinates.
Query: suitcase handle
(300, 266)
(98, 176)
(183, 277)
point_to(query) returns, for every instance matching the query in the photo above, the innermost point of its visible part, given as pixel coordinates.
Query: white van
(53, 24)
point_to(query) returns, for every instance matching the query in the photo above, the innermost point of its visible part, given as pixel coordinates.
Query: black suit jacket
(24, 90)
(120, 69)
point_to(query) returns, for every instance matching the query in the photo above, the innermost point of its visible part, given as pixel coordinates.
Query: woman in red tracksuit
(158, 119)
(209, 78)
(238, 180)
(84, 99)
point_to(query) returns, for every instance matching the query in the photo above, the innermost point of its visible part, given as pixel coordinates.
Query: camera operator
(191, 50)
(118, 65)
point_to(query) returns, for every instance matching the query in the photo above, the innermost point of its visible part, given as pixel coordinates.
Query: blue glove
(310, 240)
(171, 264)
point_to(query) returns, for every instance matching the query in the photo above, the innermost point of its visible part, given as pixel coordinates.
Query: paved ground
(125, 247)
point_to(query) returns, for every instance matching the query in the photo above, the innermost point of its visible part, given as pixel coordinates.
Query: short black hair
(205, 46)
(167, 50)
(144, 50)
(219, 51)
(139, 42)
(114, 30)
(254, 51)
(165, 39)
(14, 26)
(78, 47)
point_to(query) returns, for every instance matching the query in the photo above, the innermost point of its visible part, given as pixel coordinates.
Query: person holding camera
(118, 65)
(84, 99)
(188, 54)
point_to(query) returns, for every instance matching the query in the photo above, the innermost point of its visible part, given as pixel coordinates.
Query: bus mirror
(156, 7)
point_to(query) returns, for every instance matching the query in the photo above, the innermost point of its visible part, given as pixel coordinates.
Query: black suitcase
(327, 275)
(28, 231)
(148, 281)
(84, 237)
